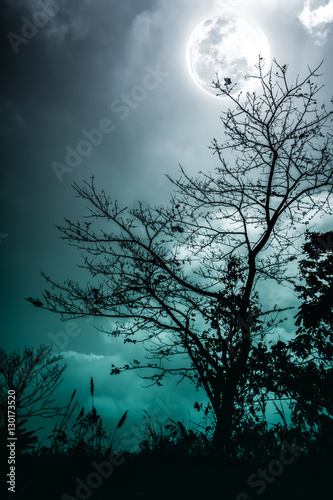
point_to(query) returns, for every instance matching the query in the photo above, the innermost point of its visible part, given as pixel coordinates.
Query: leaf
(197, 406)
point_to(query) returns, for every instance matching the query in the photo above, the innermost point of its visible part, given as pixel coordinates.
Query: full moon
(229, 46)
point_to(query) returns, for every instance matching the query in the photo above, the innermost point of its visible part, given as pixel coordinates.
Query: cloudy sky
(68, 67)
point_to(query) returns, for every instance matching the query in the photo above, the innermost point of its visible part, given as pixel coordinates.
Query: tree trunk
(221, 443)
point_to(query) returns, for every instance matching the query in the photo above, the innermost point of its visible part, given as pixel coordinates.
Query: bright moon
(230, 46)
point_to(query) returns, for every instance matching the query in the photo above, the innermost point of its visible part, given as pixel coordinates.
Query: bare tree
(184, 280)
(34, 375)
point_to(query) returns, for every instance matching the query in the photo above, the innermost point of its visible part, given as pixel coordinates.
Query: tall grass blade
(122, 420)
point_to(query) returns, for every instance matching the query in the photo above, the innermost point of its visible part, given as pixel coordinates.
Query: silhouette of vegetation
(184, 279)
(160, 438)
(79, 446)
(85, 436)
(34, 375)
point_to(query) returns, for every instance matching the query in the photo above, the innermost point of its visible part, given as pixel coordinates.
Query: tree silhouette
(316, 314)
(34, 375)
(184, 279)
(300, 370)
(314, 338)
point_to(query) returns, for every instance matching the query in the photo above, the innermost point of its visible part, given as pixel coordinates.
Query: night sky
(72, 75)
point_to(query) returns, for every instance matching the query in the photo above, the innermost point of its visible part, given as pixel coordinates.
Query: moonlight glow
(230, 46)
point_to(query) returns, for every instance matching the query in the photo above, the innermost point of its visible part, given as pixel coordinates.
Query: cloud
(315, 20)
(81, 357)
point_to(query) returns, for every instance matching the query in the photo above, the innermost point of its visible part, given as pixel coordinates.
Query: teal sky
(69, 77)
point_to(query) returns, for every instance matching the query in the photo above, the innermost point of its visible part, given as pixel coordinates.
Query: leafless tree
(184, 280)
(34, 375)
